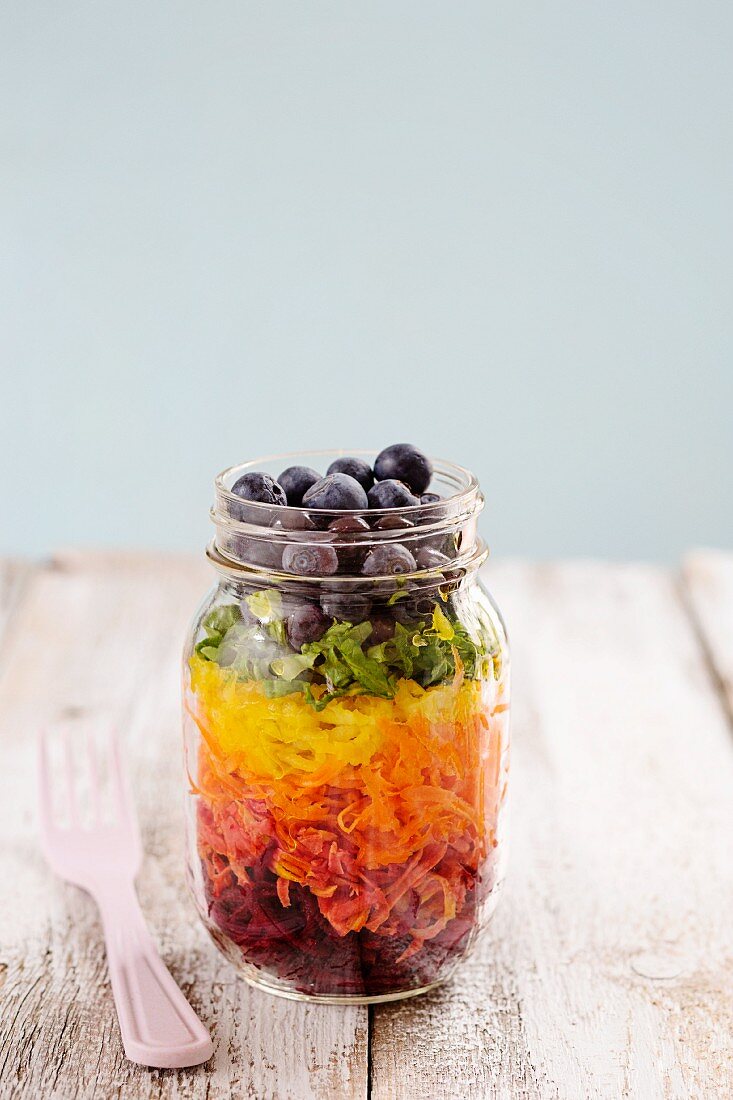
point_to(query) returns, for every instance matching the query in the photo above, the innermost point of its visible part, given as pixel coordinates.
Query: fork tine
(124, 796)
(71, 799)
(45, 811)
(94, 777)
(120, 787)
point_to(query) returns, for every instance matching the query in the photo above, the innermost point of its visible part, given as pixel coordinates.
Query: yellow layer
(279, 736)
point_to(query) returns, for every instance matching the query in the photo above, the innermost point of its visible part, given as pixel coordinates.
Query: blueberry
(310, 559)
(259, 487)
(350, 552)
(338, 492)
(405, 613)
(347, 607)
(440, 541)
(403, 462)
(429, 498)
(420, 606)
(296, 480)
(306, 624)
(391, 494)
(429, 558)
(390, 559)
(261, 552)
(392, 523)
(348, 525)
(357, 468)
(291, 519)
(383, 624)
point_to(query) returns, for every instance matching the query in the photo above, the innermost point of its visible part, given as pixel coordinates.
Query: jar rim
(469, 491)
(236, 570)
(264, 528)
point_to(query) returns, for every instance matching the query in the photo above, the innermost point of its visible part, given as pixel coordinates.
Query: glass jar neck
(346, 548)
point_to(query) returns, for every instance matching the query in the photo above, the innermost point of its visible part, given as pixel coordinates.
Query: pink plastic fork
(159, 1027)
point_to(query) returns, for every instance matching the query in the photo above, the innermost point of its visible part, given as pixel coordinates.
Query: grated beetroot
(287, 935)
(297, 945)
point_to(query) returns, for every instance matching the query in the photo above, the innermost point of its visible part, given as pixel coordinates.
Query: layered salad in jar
(346, 696)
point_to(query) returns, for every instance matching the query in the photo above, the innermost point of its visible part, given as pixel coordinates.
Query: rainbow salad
(347, 824)
(346, 710)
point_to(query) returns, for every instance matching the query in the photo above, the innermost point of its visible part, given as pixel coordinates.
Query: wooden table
(608, 970)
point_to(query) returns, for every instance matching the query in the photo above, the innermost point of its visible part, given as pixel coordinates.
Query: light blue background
(501, 231)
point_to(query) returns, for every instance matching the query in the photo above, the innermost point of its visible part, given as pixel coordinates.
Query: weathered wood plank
(97, 639)
(608, 971)
(707, 578)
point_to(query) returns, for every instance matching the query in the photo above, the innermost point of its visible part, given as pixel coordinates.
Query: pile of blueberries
(399, 480)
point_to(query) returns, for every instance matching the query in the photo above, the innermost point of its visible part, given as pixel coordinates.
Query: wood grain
(608, 971)
(707, 578)
(96, 640)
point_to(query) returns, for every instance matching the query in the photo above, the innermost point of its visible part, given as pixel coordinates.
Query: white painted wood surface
(708, 585)
(608, 971)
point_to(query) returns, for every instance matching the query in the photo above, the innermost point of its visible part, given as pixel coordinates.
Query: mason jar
(346, 729)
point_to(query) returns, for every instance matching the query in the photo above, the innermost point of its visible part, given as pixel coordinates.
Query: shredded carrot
(283, 892)
(383, 809)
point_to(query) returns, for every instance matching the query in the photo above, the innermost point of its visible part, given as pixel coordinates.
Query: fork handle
(159, 1028)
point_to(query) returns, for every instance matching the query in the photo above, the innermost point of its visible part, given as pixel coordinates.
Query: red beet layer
(297, 944)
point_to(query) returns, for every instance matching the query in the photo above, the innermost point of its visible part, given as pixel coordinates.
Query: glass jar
(346, 699)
